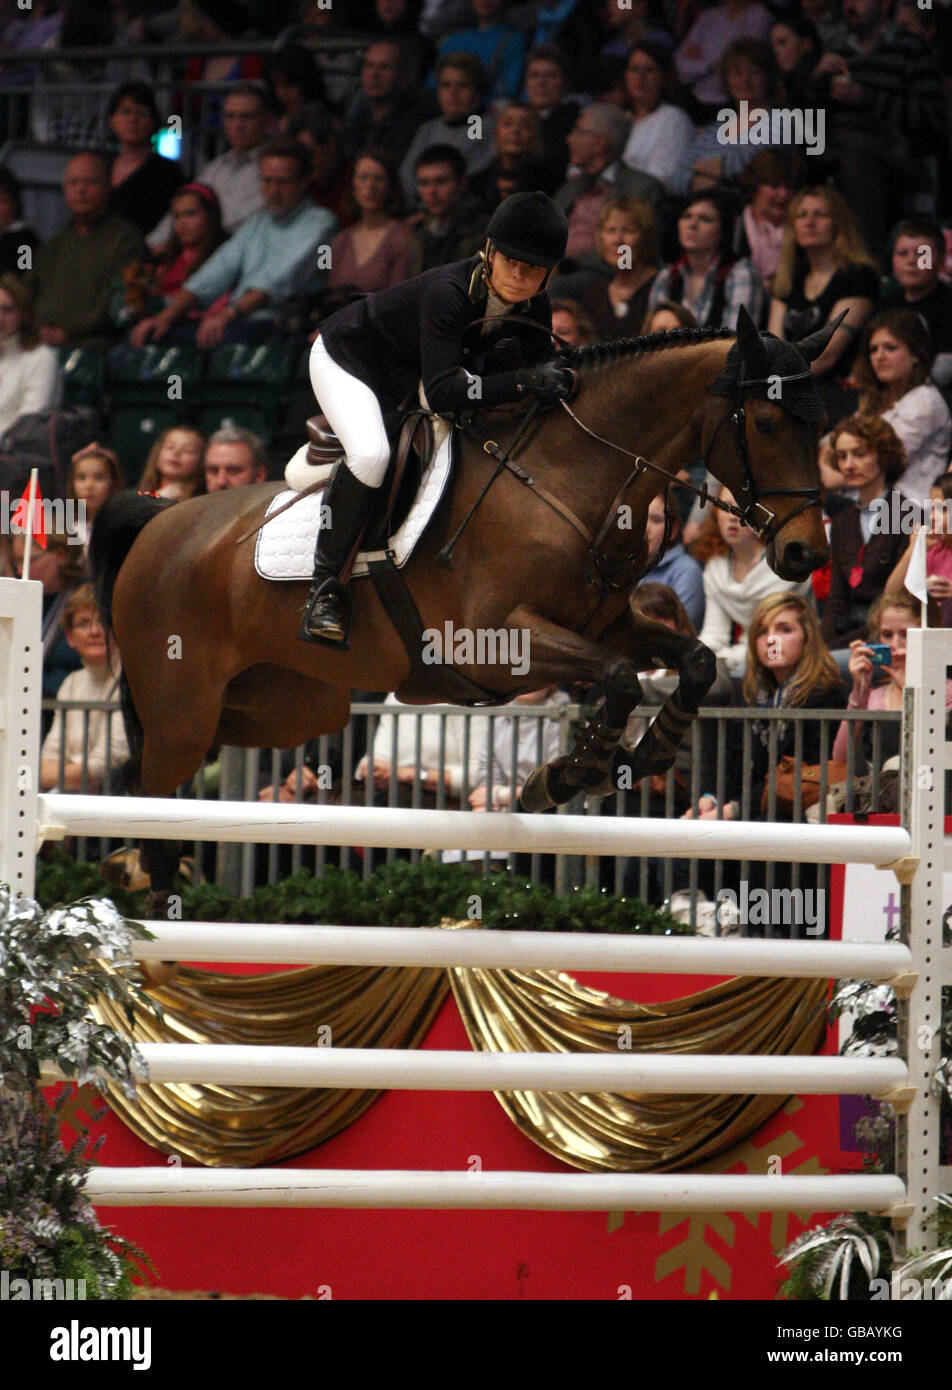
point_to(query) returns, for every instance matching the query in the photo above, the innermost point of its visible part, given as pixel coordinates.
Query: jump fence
(918, 966)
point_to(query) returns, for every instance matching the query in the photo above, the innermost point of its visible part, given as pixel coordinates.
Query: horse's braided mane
(596, 353)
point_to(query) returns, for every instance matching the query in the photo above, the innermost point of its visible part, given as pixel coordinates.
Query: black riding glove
(549, 381)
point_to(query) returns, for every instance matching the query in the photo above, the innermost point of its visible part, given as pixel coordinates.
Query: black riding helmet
(529, 227)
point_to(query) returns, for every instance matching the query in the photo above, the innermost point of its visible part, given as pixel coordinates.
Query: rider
(372, 355)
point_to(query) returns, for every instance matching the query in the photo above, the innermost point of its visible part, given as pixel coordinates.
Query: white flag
(916, 573)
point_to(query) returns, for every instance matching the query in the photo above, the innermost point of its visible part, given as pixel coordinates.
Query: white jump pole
(521, 950)
(316, 1187)
(233, 1064)
(157, 818)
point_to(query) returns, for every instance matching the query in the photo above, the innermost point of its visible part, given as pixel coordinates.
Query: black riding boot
(327, 615)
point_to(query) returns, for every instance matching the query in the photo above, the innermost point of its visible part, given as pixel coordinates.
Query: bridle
(766, 527)
(751, 493)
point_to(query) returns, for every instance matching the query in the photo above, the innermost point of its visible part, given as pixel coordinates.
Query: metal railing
(725, 733)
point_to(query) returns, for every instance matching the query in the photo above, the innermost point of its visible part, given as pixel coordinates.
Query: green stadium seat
(132, 431)
(83, 371)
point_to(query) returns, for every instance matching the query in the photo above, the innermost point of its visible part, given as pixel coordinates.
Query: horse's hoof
(156, 973)
(534, 796)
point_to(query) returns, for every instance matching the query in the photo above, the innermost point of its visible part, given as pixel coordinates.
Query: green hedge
(399, 894)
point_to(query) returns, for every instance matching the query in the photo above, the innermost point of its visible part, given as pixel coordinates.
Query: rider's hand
(550, 382)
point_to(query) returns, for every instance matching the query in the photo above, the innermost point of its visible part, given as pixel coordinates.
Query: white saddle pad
(285, 545)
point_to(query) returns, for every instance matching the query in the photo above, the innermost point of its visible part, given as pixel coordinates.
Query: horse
(210, 652)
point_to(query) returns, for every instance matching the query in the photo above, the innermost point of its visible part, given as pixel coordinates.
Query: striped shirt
(721, 295)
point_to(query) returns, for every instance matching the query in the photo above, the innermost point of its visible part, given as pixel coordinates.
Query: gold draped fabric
(513, 1010)
(502, 1010)
(248, 1126)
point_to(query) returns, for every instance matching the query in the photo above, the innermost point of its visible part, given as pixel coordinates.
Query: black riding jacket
(428, 328)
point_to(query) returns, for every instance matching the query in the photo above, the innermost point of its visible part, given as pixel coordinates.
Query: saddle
(412, 444)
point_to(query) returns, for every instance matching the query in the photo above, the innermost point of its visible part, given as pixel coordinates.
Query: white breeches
(353, 413)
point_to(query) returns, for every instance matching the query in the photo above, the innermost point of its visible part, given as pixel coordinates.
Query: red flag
(38, 523)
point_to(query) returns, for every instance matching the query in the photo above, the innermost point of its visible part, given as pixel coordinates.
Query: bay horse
(210, 651)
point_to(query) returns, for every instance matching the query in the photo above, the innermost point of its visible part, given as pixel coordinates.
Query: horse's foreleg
(696, 667)
(556, 656)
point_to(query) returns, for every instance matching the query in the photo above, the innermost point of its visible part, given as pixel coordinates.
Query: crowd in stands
(793, 159)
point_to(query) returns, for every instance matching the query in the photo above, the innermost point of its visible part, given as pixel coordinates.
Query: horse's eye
(765, 424)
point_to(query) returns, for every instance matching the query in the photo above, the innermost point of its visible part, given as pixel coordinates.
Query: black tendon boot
(328, 614)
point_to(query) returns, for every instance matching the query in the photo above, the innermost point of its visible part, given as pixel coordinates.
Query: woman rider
(372, 354)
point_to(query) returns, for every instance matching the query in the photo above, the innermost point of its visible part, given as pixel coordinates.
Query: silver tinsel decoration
(53, 966)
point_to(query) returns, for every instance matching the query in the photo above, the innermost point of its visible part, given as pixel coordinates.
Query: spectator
(18, 241)
(571, 323)
(573, 26)
(595, 145)
(234, 174)
(76, 268)
(889, 620)
(331, 174)
(614, 291)
(788, 667)
(174, 466)
(825, 14)
(94, 474)
(677, 570)
(638, 21)
(768, 182)
(918, 253)
(707, 278)
(82, 746)
(499, 48)
(667, 317)
(699, 57)
(824, 269)
(398, 20)
(378, 250)
(892, 373)
(383, 114)
(796, 45)
(513, 747)
(271, 259)
(234, 457)
(736, 579)
(546, 94)
(938, 551)
(294, 81)
(463, 121)
(516, 165)
(864, 551)
(452, 226)
(660, 131)
(142, 181)
(59, 568)
(195, 236)
(748, 74)
(400, 746)
(30, 377)
(886, 113)
(214, 22)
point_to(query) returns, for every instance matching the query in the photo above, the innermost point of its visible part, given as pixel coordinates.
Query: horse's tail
(116, 527)
(118, 523)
